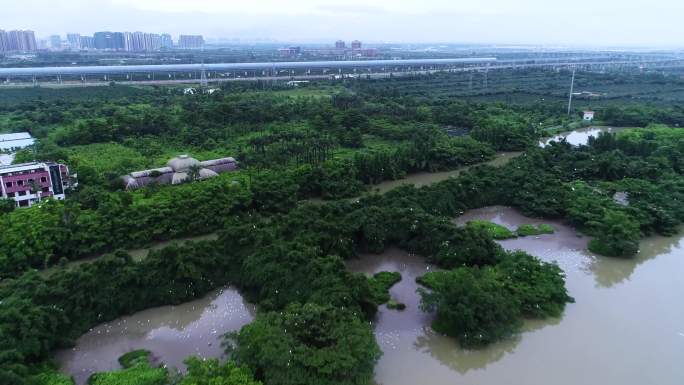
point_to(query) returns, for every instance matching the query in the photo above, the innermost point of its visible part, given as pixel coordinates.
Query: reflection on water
(569, 248)
(566, 246)
(580, 136)
(626, 327)
(171, 333)
(405, 337)
(462, 360)
(611, 271)
(447, 352)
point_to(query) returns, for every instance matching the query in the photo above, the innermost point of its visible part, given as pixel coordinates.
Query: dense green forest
(286, 251)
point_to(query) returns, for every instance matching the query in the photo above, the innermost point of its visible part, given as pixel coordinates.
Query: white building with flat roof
(14, 142)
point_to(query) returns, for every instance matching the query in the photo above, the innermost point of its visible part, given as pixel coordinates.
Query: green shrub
(471, 305)
(212, 372)
(380, 284)
(538, 286)
(139, 374)
(495, 230)
(479, 306)
(530, 230)
(307, 345)
(394, 305)
(134, 357)
(51, 378)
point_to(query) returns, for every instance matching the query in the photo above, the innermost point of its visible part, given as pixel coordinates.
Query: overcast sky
(655, 23)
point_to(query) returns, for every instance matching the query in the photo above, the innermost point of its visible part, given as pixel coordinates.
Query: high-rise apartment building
(155, 42)
(166, 41)
(55, 42)
(87, 42)
(190, 41)
(118, 41)
(74, 40)
(4, 41)
(20, 41)
(141, 42)
(29, 43)
(356, 45)
(340, 44)
(109, 40)
(103, 40)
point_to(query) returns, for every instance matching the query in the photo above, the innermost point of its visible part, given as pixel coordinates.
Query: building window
(46, 189)
(30, 181)
(23, 203)
(8, 184)
(21, 193)
(43, 179)
(10, 195)
(20, 183)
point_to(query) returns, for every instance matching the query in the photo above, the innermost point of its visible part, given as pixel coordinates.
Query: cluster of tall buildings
(190, 42)
(126, 41)
(25, 41)
(17, 40)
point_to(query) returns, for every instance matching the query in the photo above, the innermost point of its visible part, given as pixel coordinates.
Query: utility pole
(572, 89)
(203, 76)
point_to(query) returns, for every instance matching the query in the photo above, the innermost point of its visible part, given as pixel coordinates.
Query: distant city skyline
(534, 22)
(26, 41)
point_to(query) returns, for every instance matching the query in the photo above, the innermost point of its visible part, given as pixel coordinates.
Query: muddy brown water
(171, 333)
(626, 327)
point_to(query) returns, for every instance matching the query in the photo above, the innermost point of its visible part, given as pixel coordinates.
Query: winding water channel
(626, 326)
(426, 178)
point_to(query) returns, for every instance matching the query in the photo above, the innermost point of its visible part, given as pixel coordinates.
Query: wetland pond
(580, 136)
(170, 333)
(626, 327)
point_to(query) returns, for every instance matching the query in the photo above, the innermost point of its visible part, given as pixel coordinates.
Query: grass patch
(395, 305)
(141, 374)
(51, 378)
(530, 230)
(496, 231)
(135, 357)
(136, 370)
(380, 283)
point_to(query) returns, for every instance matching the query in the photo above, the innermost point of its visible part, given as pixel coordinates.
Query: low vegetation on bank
(495, 230)
(531, 230)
